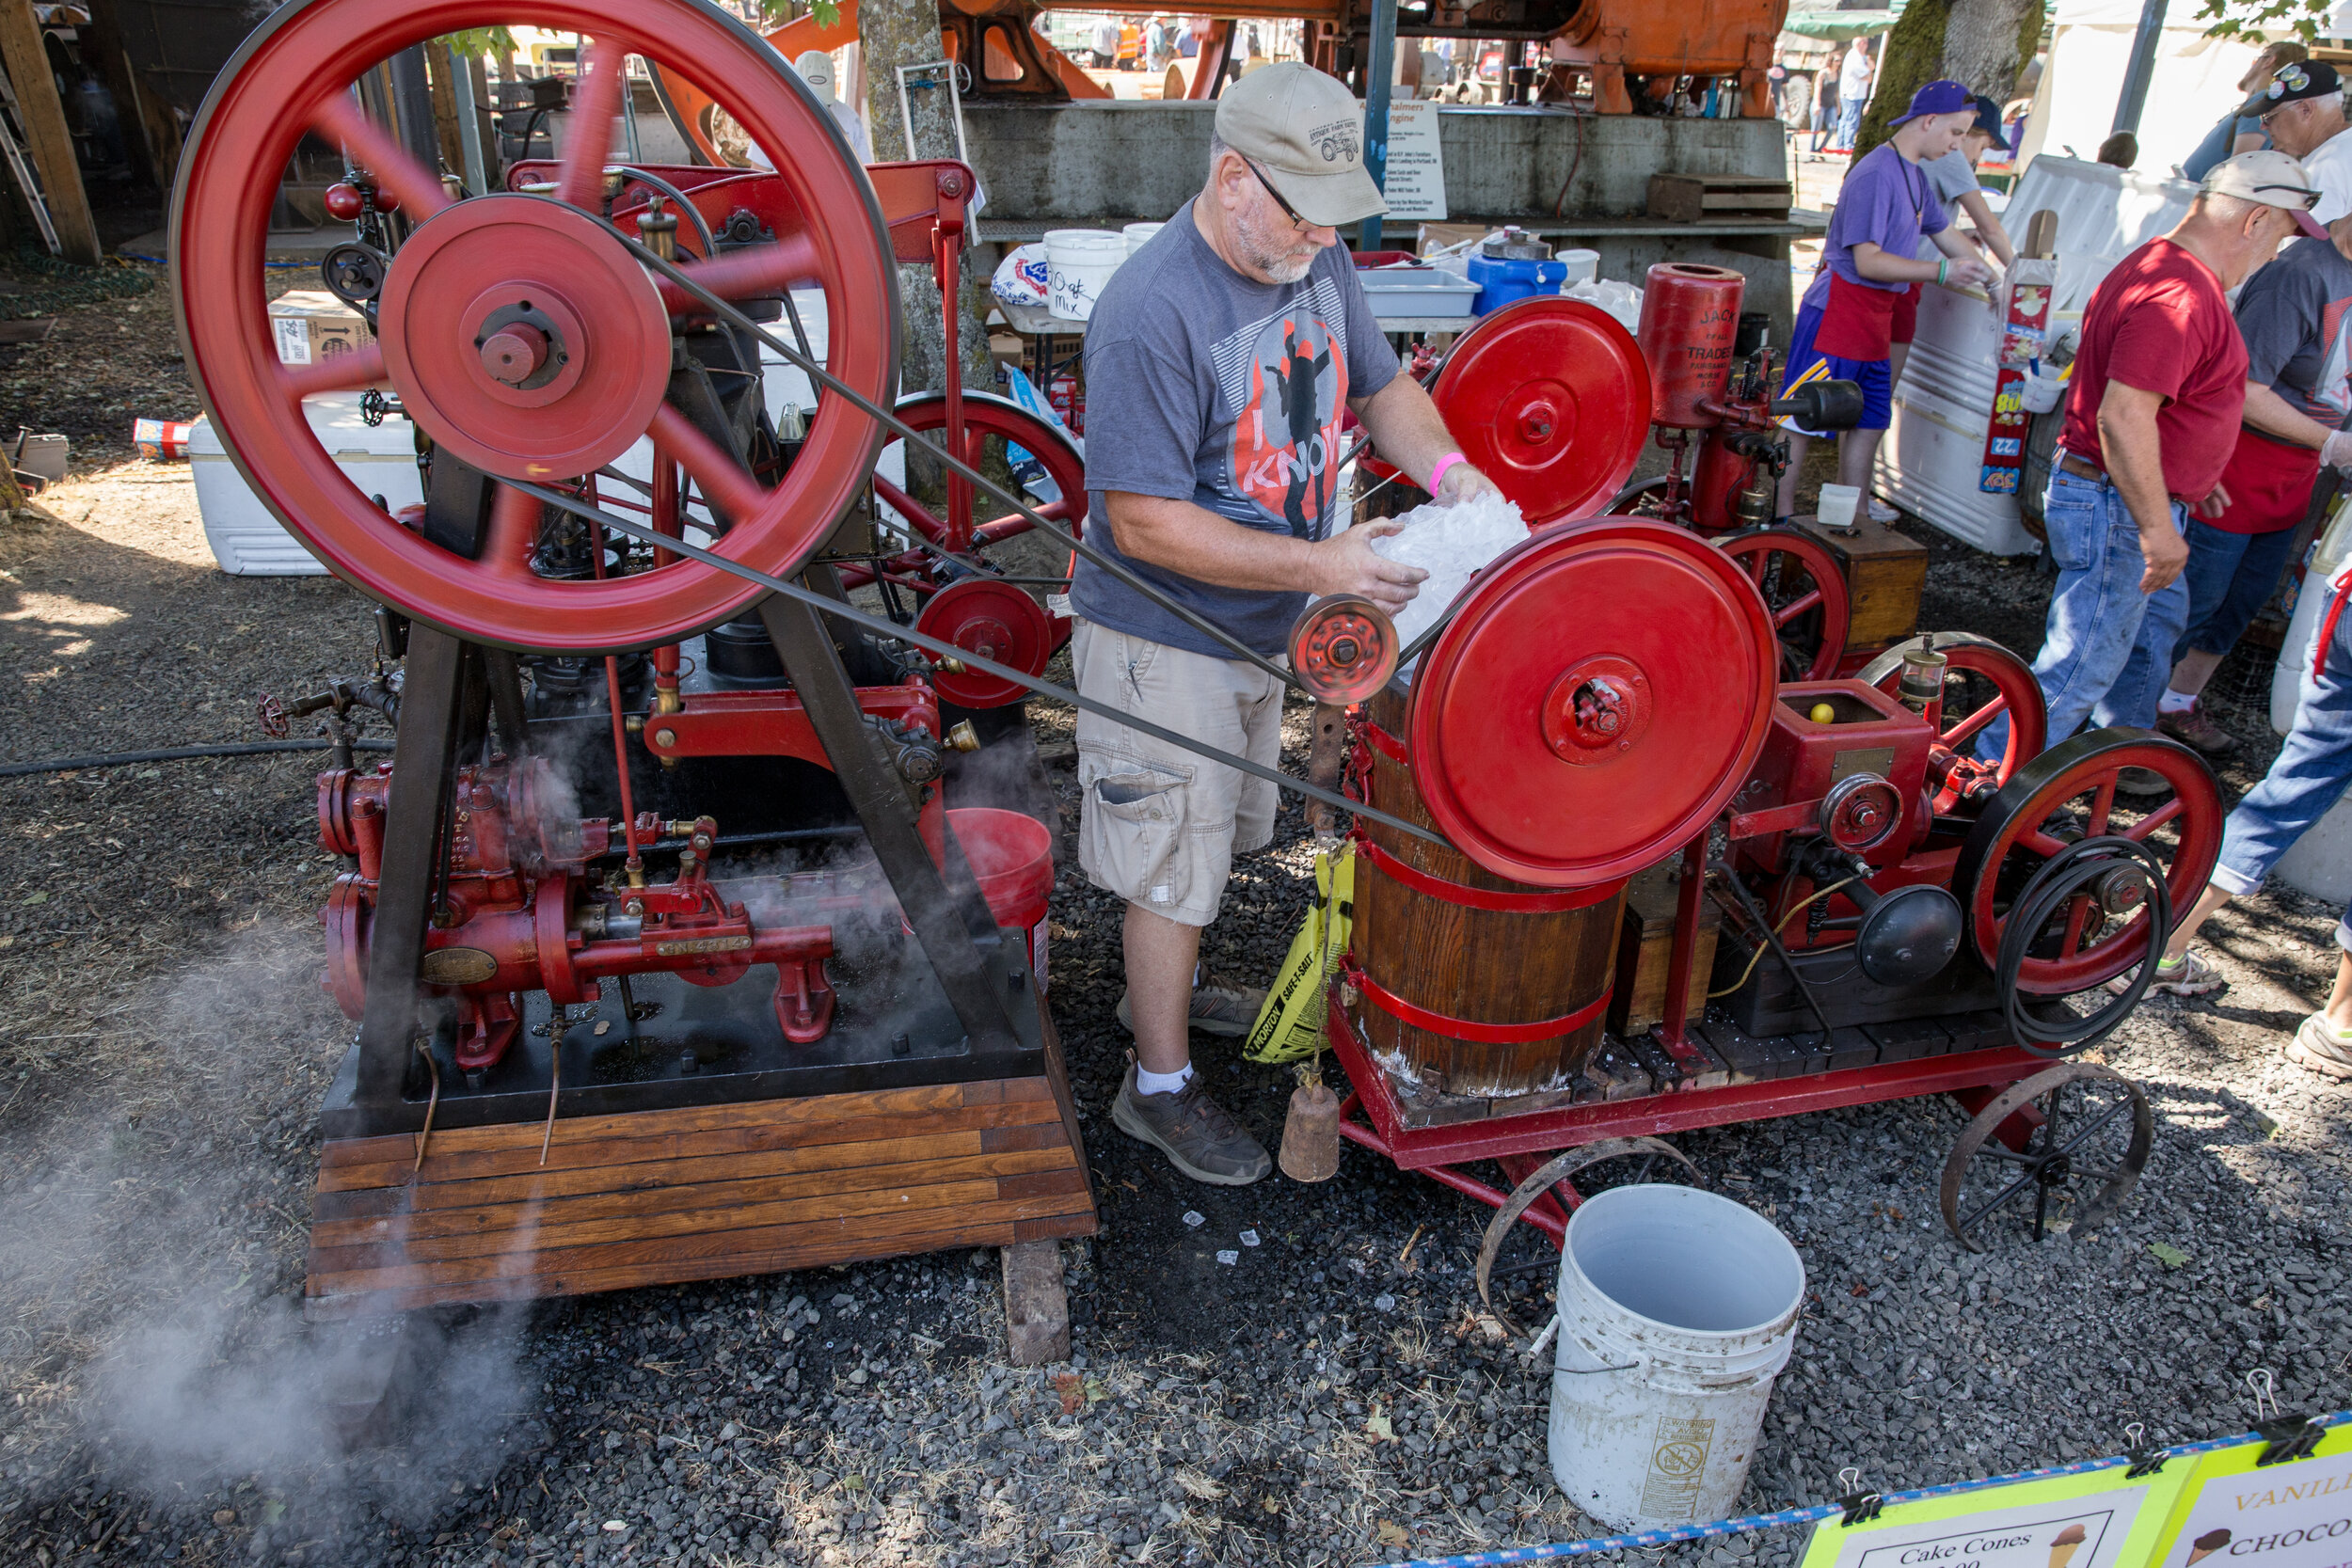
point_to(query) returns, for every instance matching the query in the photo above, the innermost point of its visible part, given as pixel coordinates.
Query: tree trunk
(1982, 44)
(895, 33)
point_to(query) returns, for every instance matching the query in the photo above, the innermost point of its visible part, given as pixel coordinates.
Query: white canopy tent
(2194, 83)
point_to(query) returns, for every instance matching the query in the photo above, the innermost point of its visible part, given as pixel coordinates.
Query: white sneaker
(2320, 1048)
(2191, 976)
(1881, 512)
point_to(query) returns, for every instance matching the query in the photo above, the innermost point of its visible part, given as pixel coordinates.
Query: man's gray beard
(1266, 253)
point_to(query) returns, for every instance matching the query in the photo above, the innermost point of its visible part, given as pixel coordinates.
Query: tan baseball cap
(2272, 179)
(1304, 132)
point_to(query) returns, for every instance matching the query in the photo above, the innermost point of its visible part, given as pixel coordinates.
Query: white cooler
(245, 538)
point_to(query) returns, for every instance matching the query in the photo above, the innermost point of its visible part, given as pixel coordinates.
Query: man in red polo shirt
(2159, 386)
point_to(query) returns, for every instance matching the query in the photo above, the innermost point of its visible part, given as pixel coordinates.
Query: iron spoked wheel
(1982, 681)
(1555, 1176)
(524, 335)
(993, 428)
(1805, 591)
(2077, 1137)
(2054, 804)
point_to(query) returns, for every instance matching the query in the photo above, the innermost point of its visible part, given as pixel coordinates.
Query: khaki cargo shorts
(1159, 825)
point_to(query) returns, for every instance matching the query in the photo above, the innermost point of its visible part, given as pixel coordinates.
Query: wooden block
(1680, 197)
(1982, 1029)
(1645, 949)
(1884, 574)
(1615, 1073)
(1909, 1040)
(1849, 1048)
(1036, 1310)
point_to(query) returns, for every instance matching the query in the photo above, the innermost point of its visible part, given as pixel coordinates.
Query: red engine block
(517, 910)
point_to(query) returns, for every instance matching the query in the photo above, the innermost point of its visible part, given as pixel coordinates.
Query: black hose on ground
(180, 753)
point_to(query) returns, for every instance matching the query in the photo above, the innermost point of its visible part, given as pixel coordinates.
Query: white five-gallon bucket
(1078, 262)
(1677, 1308)
(1137, 234)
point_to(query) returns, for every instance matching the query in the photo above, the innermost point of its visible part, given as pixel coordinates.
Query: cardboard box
(1436, 236)
(311, 324)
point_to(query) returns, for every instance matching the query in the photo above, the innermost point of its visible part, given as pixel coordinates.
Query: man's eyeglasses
(2311, 197)
(1298, 224)
(2264, 119)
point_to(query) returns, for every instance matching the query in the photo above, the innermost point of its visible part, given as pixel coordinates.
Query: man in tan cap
(1220, 362)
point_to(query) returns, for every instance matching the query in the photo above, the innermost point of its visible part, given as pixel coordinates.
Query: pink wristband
(1437, 475)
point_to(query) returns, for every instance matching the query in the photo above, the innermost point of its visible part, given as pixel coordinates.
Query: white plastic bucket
(1584, 266)
(1078, 262)
(1836, 508)
(1138, 234)
(1677, 1308)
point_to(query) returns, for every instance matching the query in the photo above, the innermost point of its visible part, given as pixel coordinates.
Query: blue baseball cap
(1988, 122)
(1938, 98)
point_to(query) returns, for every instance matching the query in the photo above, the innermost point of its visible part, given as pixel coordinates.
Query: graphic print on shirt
(1292, 375)
(2331, 392)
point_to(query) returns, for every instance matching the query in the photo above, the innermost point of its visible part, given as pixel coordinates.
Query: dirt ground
(1333, 1394)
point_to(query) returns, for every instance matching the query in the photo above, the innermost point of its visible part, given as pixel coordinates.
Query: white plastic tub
(245, 538)
(1078, 265)
(1678, 1310)
(1137, 235)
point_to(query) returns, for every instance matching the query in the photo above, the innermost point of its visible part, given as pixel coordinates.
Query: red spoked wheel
(521, 333)
(993, 427)
(1805, 592)
(1597, 697)
(1551, 399)
(996, 620)
(1982, 681)
(2063, 798)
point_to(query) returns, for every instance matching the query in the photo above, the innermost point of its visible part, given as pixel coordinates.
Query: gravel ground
(1332, 1396)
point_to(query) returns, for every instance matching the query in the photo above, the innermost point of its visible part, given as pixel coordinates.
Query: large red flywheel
(521, 333)
(1571, 749)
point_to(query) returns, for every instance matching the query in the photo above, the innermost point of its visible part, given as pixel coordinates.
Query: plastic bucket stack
(1078, 264)
(1677, 1308)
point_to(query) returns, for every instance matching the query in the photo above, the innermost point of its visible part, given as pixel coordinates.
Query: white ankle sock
(1147, 1082)
(2173, 702)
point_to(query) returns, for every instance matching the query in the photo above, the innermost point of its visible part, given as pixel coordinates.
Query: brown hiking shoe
(2193, 729)
(1193, 1131)
(1219, 1006)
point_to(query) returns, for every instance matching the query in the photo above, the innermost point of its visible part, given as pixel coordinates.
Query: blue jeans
(1849, 123)
(2303, 785)
(2107, 648)
(2230, 578)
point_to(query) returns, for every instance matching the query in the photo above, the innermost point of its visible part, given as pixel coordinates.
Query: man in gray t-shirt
(1220, 362)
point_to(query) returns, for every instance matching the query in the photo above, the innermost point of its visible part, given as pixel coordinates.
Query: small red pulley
(1342, 649)
(1551, 399)
(996, 621)
(1600, 693)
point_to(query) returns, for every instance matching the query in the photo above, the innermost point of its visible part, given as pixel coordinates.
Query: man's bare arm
(1409, 433)
(2135, 461)
(1194, 542)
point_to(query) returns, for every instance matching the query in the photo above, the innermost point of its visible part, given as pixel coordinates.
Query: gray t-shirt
(1206, 387)
(1952, 175)
(2295, 314)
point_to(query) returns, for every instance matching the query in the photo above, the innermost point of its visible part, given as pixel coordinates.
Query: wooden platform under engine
(1622, 1070)
(659, 1197)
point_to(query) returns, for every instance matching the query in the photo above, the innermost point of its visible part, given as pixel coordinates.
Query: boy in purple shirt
(1844, 324)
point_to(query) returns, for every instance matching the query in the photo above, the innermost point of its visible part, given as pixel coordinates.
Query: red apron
(1858, 323)
(2269, 484)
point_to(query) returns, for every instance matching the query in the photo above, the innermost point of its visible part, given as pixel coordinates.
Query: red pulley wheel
(995, 620)
(1551, 400)
(518, 331)
(1601, 693)
(1342, 648)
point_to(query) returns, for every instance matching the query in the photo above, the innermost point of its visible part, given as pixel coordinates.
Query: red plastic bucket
(1013, 859)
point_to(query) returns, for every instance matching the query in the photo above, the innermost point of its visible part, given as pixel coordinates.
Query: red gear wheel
(290, 78)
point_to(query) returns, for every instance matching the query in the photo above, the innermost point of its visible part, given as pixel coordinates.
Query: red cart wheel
(1549, 398)
(1982, 681)
(521, 333)
(995, 620)
(1597, 699)
(990, 425)
(1805, 591)
(2060, 798)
